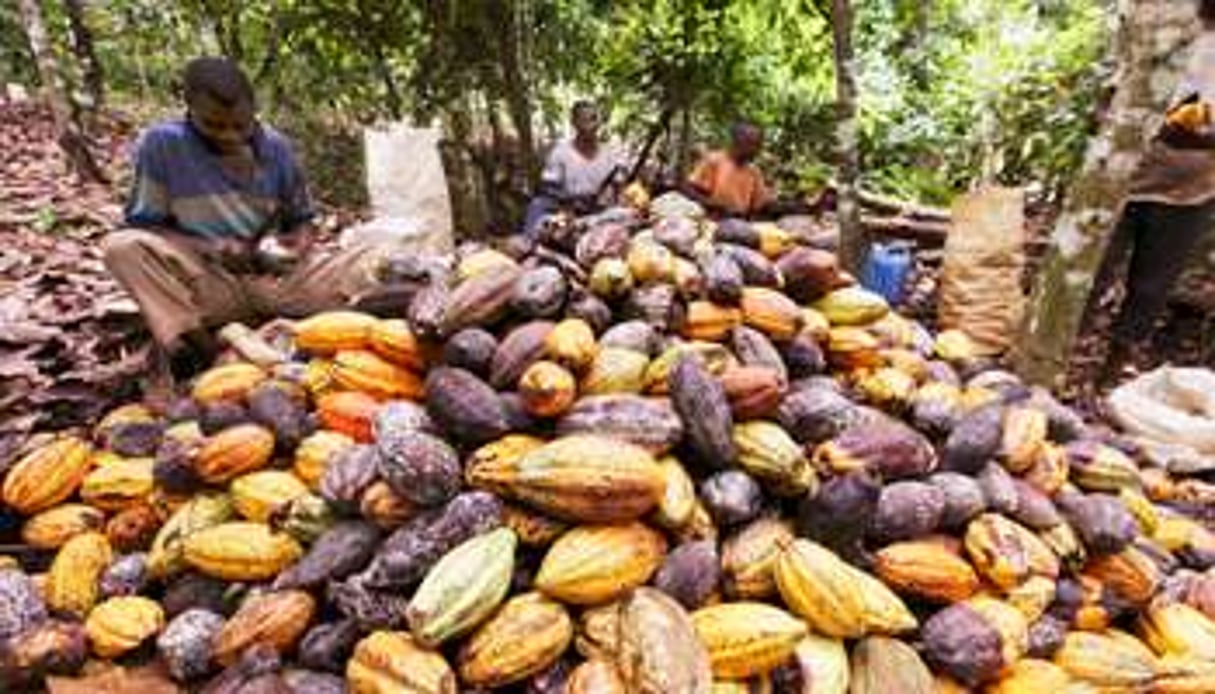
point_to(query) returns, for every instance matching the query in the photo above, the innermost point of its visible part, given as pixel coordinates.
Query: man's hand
(299, 240)
(234, 254)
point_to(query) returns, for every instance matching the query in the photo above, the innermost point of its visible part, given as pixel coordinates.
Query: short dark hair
(219, 78)
(742, 128)
(583, 105)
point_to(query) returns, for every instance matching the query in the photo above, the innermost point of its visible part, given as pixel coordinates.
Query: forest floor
(72, 345)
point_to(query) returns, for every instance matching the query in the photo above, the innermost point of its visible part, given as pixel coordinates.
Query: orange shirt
(737, 188)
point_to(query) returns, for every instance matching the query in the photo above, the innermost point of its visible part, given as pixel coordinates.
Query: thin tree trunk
(86, 53)
(71, 140)
(853, 240)
(514, 81)
(1150, 42)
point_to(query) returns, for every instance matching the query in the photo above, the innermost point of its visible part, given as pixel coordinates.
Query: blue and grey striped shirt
(179, 183)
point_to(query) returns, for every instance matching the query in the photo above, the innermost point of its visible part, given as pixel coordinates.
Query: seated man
(582, 173)
(726, 182)
(219, 224)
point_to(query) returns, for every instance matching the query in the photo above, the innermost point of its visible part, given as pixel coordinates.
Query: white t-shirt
(571, 172)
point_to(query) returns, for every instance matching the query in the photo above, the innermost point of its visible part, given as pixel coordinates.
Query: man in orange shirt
(726, 182)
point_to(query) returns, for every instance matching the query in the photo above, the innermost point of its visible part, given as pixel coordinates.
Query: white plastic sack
(407, 189)
(1171, 412)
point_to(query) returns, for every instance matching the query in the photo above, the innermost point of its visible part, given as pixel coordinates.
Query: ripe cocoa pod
(975, 440)
(747, 638)
(754, 392)
(593, 565)
(547, 389)
(678, 501)
(21, 603)
(1031, 675)
(1097, 467)
(964, 498)
(1102, 521)
(46, 476)
(706, 320)
(770, 312)
(385, 508)
(714, 357)
(230, 382)
(818, 664)
(768, 453)
(426, 311)
(73, 582)
(1178, 630)
(393, 340)
(1130, 575)
(277, 619)
(1103, 660)
(419, 467)
(472, 349)
(539, 292)
(185, 645)
(1005, 553)
(907, 510)
(883, 665)
(463, 588)
(723, 279)
(328, 332)
(815, 414)
(803, 356)
(314, 454)
(329, 646)
(840, 513)
(634, 335)
(394, 662)
(339, 552)
(240, 551)
(850, 349)
(464, 406)
(702, 404)
(615, 370)
(127, 575)
(526, 636)
(690, 573)
(819, 587)
(51, 648)
(119, 484)
(165, 557)
(370, 609)
(349, 474)
(659, 648)
(366, 372)
(731, 497)
(928, 570)
(234, 452)
(51, 528)
(583, 478)
(595, 677)
(756, 269)
(280, 407)
(131, 431)
(885, 612)
(571, 343)
(480, 300)
(601, 242)
(888, 450)
(650, 423)
(258, 494)
(749, 557)
(347, 412)
(119, 625)
(809, 273)
(959, 641)
(753, 348)
(407, 554)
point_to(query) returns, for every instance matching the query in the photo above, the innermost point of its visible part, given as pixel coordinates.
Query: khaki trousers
(179, 291)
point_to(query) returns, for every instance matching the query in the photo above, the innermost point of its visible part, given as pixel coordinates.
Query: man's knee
(122, 246)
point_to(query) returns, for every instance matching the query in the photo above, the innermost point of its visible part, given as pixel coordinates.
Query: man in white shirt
(582, 173)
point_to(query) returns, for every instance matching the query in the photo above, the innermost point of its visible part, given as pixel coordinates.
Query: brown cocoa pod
(256, 672)
(690, 573)
(521, 348)
(277, 618)
(371, 609)
(975, 440)
(753, 348)
(51, 648)
(634, 335)
(464, 406)
(677, 233)
(704, 408)
(757, 270)
(999, 491)
(196, 591)
(1046, 636)
(351, 472)
(407, 554)
(656, 304)
(310, 682)
(838, 514)
(400, 416)
(585, 306)
(217, 416)
(174, 470)
(815, 414)
(1103, 523)
(1034, 509)
(280, 407)
(539, 293)
(803, 356)
(736, 231)
(888, 449)
(480, 300)
(907, 510)
(426, 311)
(133, 529)
(472, 349)
(185, 645)
(329, 646)
(650, 423)
(723, 279)
(809, 273)
(385, 508)
(601, 242)
(731, 497)
(419, 467)
(340, 551)
(138, 439)
(959, 641)
(754, 392)
(964, 499)
(128, 575)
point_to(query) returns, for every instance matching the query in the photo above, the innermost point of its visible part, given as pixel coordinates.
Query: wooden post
(854, 242)
(1151, 37)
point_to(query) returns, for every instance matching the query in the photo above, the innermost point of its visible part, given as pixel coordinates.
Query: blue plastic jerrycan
(886, 269)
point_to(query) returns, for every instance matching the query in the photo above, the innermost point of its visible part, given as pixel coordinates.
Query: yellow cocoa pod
(72, 584)
(928, 570)
(227, 382)
(1032, 597)
(572, 343)
(767, 452)
(716, 358)
(706, 320)
(121, 484)
(1178, 630)
(882, 665)
(166, 557)
(955, 347)
(393, 340)
(852, 306)
(849, 349)
(615, 370)
(277, 618)
(1007, 553)
(659, 650)
(1178, 675)
(315, 452)
(885, 612)
(240, 551)
(1103, 660)
(1130, 574)
(1025, 430)
(771, 312)
(1049, 470)
(483, 260)
(1031, 676)
(331, 331)
(533, 529)
(748, 558)
(47, 475)
(463, 588)
(595, 564)
(823, 662)
(547, 389)
(119, 625)
(233, 452)
(678, 501)
(745, 639)
(391, 662)
(650, 261)
(257, 494)
(53, 527)
(595, 677)
(592, 565)
(526, 636)
(888, 388)
(365, 371)
(599, 632)
(506, 451)
(1008, 621)
(821, 588)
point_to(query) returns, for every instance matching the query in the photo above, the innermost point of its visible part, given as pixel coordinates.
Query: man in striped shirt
(219, 224)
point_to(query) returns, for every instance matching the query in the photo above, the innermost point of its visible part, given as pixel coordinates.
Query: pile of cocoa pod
(649, 453)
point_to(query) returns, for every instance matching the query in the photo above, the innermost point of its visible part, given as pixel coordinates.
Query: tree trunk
(854, 242)
(86, 53)
(1150, 42)
(516, 92)
(72, 141)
